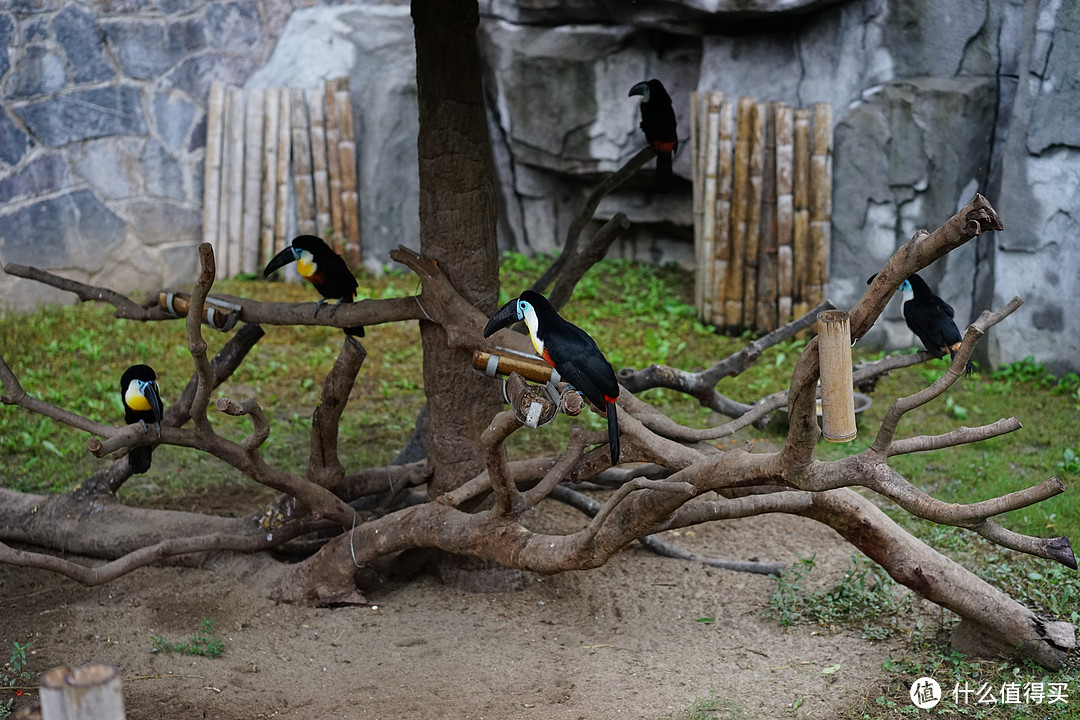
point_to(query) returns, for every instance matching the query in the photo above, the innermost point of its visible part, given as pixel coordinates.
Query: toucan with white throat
(930, 318)
(569, 350)
(142, 403)
(323, 268)
(658, 123)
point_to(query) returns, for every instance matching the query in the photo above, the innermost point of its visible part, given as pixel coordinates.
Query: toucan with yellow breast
(142, 403)
(658, 123)
(323, 268)
(569, 350)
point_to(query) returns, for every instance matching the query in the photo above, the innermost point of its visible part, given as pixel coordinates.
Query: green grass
(202, 642)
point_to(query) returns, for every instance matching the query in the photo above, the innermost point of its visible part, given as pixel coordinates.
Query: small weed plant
(202, 643)
(14, 675)
(865, 592)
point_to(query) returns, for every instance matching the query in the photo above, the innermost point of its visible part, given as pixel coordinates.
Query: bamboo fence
(762, 210)
(279, 162)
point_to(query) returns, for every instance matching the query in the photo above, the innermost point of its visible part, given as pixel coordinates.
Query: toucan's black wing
(580, 362)
(931, 319)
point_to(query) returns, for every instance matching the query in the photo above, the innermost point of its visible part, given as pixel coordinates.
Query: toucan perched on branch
(658, 122)
(142, 403)
(323, 268)
(930, 318)
(569, 350)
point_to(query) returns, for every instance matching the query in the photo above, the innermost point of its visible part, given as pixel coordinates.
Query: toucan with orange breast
(569, 350)
(142, 403)
(323, 268)
(658, 123)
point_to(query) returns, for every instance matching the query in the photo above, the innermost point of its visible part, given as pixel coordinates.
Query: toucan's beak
(642, 88)
(149, 391)
(505, 317)
(280, 260)
(871, 278)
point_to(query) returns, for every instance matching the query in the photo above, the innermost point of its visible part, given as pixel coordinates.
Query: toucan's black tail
(613, 431)
(139, 459)
(663, 171)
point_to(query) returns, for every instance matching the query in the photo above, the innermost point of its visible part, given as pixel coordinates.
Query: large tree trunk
(457, 228)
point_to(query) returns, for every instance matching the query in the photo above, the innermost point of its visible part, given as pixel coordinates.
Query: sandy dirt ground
(622, 641)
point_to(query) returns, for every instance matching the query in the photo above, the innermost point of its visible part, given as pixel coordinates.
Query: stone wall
(102, 126)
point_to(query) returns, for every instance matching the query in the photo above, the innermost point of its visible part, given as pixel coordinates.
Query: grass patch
(202, 643)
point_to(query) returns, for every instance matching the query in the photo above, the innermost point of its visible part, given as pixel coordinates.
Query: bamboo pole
(350, 199)
(319, 171)
(495, 362)
(284, 165)
(253, 159)
(784, 213)
(708, 197)
(765, 312)
(215, 111)
(333, 164)
(740, 189)
(722, 241)
(834, 359)
(87, 692)
(236, 181)
(271, 99)
(303, 182)
(753, 212)
(696, 189)
(222, 249)
(800, 234)
(820, 203)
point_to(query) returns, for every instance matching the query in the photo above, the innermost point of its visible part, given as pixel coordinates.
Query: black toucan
(930, 318)
(323, 268)
(142, 403)
(569, 350)
(658, 122)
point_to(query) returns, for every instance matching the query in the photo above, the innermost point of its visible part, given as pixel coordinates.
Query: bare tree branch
(576, 266)
(260, 428)
(960, 436)
(126, 308)
(324, 465)
(702, 385)
(577, 225)
(508, 501)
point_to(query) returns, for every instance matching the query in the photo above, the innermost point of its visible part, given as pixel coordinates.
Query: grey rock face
(13, 141)
(46, 174)
(112, 165)
(78, 33)
(7, 27)
(73, 230)
(173, 115)
(234, 26)
(146, 49)
(84, 115)
(37, 72)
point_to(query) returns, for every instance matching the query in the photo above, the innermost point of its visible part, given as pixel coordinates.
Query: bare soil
(622, 641)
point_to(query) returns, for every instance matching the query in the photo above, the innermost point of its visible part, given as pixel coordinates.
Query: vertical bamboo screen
(279, 162)
(762, 210)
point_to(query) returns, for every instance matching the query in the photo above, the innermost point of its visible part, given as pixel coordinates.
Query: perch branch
(508, 501)
(666, 486)
(363, 312)
(324, 465)
(260, 428)
(577, 225)
(924, 248)
(702, 385)
(393, 478)
(653, 543)
(14, 394)
(196, 342)
(902, 406)
(960, 436)
(593, 252)
(575, 450)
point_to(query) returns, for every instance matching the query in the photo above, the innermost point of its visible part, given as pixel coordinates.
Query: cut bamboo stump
(87, 692)
(834, 359)
(269, 177)
(215, 113)
(722, 239)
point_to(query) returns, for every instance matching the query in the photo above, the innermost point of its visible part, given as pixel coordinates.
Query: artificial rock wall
(102, 125)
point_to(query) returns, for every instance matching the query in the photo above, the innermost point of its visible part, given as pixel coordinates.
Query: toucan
(142, 403)
(569, 350)
(323, 268)
(658, 122)
(930, 318)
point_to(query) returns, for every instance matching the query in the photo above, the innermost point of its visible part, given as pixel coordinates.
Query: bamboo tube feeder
(535, 370)
(217, 313)
(834, 359)
(87, 692)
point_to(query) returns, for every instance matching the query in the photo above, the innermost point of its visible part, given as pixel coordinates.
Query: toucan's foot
(317, 306)
(334, 309)
(158, 426)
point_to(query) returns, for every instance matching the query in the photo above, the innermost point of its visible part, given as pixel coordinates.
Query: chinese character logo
(925, 693)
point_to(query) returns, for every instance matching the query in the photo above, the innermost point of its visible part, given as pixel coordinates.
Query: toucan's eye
(521, 305)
